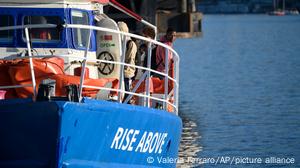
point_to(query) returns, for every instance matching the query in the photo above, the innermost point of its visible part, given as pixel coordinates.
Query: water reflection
(189, 146)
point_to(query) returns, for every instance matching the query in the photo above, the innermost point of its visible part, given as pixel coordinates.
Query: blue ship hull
(90, 134)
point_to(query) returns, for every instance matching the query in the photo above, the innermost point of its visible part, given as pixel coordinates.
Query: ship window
(80, 35)
(48, 35)
(6, 35)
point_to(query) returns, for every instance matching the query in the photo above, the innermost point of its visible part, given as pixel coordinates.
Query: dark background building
(179, 14)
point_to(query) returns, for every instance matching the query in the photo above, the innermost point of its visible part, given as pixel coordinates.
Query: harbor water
(240, 92)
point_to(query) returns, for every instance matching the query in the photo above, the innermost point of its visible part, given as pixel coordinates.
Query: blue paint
(66, 144)
(15, 101)
(68, 134)
(28, 134)
(75, 123)
(18, 15)
(101, 119)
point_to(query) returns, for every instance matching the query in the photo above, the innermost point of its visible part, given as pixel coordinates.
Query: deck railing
(146, 76)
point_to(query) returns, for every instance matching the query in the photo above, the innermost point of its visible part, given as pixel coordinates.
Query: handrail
(123, 33)
(121, 77)
(147, 86)
(15, 86)
(96, 61)
(135, 94)
(136, 87)
(84, 64)
(94, 28)
(124, 64)
(31, 63)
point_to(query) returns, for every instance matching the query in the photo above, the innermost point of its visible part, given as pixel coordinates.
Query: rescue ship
(62, 95)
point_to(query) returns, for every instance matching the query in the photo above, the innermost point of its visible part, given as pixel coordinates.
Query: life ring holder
(104, 67)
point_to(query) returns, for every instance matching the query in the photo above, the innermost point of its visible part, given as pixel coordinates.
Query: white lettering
(123, 138)
(141, 143)
(133, 139)
(158, 143)
(124, 147)
(117, 137)
(150, 142)
(159, 159)
(147, 143)
(162, 142)
(152, 145)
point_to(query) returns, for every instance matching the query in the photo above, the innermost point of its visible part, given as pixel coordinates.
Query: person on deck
(167, 39)
(149, 32)
(131, 50)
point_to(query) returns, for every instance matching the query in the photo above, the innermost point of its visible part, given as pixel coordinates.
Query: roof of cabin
(80, 4)
(51, 1)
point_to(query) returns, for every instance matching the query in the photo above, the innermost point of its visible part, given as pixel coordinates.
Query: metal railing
(173, 94)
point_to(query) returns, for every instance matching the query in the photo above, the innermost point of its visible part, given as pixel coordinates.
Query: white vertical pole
(122, 67)
(183, 6)
(175, 85)
(147, 86)
(30, 63)
(176, 89)
(166, 77)
(84, 64)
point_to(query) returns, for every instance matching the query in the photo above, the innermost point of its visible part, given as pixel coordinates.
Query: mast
(183, 6)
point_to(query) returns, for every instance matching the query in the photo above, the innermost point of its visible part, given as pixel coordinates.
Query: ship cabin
(78, 39)
(48, 41)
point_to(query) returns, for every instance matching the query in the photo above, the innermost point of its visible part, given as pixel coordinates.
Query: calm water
(240, 85)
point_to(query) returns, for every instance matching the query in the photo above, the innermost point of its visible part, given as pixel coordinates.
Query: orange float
(17, 72)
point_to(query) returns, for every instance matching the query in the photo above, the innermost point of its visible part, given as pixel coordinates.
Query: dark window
(80, 35)
(6, 35)
(43, 34)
